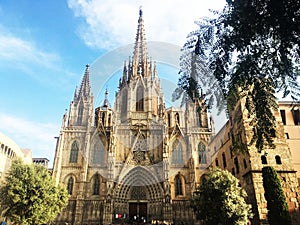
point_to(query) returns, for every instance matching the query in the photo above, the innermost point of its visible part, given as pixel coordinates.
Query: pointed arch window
(70, 185)
(80, 114)
(202, 153)
(74, 153)
(99, 154)
(178, 185)
(177, 154)
(96, 185)
(124, 103)
(177, 118)
(140, 99)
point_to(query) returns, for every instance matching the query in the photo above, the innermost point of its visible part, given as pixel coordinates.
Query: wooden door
(138, 211)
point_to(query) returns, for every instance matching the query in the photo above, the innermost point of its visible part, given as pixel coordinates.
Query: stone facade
(290, 116)
(138, 160)
(247, 165)
(10, 151)
(141, 161)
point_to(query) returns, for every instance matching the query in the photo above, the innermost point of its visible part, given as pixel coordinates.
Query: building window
(103, 118)
(109, 120)
(178, 185)
(233, 171)
(264, 159)
(283, 118)
(202, 153)
(74, 152)
(99, 155)
(169, 120)
(198, 118)
(124, 103)
(177, 118)
(80, 114)
(177, 155)
(237, 166)
(278, 159)
(224, 160)
(217, 162)
(296, 115)
(70, 185)
(245, 163)
(96, 185)
(140, 99)
(287, 135)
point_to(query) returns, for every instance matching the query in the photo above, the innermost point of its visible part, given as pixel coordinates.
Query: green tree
(30, 196)
(278, 212)
(251, 49)
(220, 200)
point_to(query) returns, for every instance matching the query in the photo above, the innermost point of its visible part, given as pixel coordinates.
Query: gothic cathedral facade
(136, 161)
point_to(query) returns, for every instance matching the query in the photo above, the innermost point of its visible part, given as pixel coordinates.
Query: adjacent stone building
(41, 161)
(290, 116)
(10, 151)
(230, 150)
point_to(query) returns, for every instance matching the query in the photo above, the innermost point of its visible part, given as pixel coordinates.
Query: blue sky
(45, 45)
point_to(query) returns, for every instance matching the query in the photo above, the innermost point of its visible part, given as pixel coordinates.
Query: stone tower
(232, 150)
(135, 161)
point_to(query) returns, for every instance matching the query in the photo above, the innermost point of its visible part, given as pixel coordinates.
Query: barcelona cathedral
(139, 162)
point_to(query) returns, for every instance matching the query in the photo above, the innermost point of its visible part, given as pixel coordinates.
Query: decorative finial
(106, 103)
(87, 65)
(141, 12)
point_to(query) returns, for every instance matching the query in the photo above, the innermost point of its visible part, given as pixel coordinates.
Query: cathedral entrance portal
(138, 212)
(139, 195)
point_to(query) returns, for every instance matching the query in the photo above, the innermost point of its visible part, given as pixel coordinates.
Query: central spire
(139, 65)
(140, 54)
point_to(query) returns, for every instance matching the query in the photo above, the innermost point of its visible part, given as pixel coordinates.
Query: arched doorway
(139, 196)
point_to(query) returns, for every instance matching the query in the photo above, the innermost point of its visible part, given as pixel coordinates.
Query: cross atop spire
(140, 53)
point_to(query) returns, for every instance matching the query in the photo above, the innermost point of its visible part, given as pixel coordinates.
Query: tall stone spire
(140, 54)
(85, 88)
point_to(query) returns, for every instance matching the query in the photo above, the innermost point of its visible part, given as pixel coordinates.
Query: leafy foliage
(29, 195)
(251, 46)
(278, 212)
(220, 200)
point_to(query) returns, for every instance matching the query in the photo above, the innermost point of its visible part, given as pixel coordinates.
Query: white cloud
(28, 134)
(25, 56)
(109, 24)
(15, 49)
